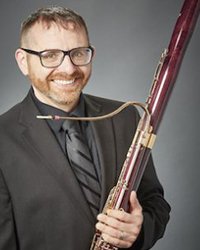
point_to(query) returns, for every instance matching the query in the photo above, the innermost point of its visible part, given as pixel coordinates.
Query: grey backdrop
(129, 36)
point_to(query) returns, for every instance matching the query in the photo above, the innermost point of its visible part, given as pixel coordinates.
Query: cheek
(87, 71)
(37, 71)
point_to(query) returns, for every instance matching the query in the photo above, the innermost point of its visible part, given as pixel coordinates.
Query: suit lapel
(41, 140)
(105, 142)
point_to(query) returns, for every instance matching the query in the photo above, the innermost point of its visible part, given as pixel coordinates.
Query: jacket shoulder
(13, 114)
(10, 115)
(110, 104)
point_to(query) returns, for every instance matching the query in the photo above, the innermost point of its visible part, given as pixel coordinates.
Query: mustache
(64, 76)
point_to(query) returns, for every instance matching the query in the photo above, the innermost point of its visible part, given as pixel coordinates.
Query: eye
(50, 55)
(79, 53)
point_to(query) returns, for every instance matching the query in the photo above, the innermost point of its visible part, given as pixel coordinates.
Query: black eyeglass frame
(65, 53)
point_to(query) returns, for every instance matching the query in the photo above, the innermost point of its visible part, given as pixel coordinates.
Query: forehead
(49, 35)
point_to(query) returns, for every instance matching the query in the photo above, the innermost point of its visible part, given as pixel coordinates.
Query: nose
(67, 66)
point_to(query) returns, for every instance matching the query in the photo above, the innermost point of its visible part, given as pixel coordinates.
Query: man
(43, 203)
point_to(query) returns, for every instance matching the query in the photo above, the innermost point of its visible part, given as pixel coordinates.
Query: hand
(120, 228)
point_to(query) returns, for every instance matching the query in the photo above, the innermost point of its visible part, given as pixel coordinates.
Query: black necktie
(81, 162)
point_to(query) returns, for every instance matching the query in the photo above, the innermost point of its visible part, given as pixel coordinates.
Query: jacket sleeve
(155, 209)
(7, 231)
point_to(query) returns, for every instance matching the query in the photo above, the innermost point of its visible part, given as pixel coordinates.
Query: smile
(64, 82)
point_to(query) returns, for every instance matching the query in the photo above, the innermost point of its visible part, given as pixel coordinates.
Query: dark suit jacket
(41, 204)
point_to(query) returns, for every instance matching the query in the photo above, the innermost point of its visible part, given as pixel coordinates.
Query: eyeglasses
(53, 58)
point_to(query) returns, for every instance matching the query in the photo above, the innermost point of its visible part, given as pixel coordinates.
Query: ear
(21, 59)
(94, 51)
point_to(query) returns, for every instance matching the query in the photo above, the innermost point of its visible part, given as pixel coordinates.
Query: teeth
(64, 82)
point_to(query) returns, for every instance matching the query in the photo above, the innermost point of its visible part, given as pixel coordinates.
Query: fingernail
(99, 217)
(109, 211)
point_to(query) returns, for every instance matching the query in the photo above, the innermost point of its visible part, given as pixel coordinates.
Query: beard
(61, 94)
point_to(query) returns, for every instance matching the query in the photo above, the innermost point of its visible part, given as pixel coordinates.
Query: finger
(108, 223)
(134, 204)
(111, 221)
(113, 227)
(113, 232)
(120, 215)
(117, 233)
(116, 241)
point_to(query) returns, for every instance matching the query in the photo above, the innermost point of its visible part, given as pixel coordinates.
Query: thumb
(134, 203)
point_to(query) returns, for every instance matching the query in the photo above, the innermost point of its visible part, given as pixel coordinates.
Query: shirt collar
(46, 109)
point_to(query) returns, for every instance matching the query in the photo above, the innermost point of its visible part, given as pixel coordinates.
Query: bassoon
(162, 85)
(154, 108)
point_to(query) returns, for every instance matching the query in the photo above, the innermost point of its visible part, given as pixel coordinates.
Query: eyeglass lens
(78, 56)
